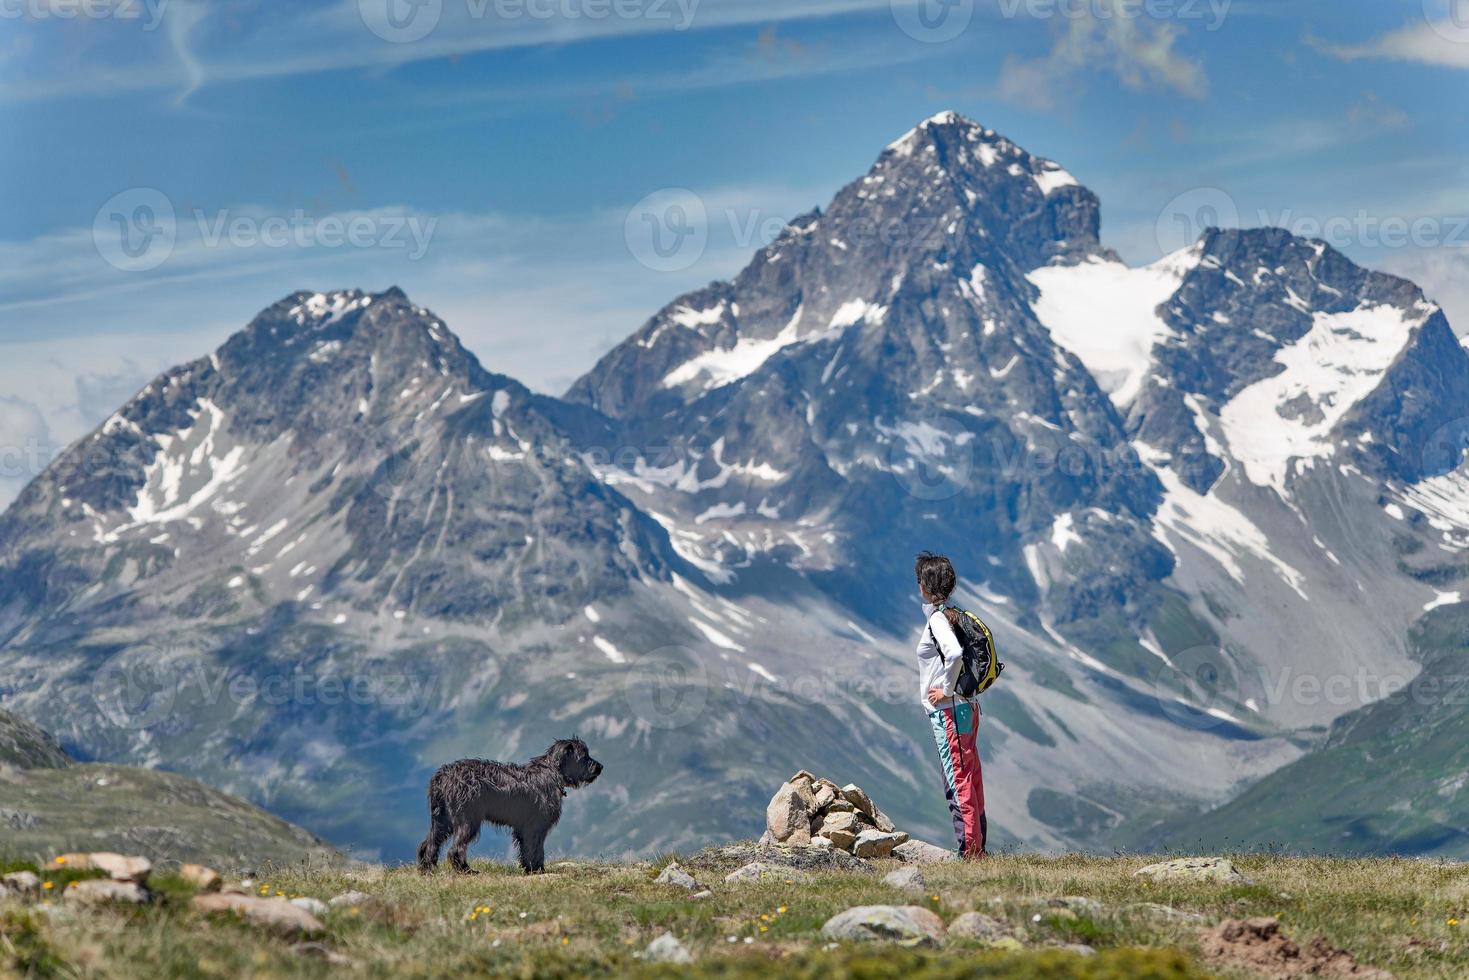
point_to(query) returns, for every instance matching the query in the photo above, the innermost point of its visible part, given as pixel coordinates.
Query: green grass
(592, 918)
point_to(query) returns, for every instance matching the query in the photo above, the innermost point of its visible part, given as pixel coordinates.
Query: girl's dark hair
(935, 575)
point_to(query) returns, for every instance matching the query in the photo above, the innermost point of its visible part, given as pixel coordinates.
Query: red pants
(954, 731)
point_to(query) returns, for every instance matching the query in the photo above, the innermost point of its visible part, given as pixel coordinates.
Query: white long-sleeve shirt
(935, 670)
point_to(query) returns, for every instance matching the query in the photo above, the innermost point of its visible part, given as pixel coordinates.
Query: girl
(954, 720)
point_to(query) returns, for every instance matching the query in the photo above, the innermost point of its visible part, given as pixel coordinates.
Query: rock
(121, 868)
(1165, 912)
(881, 822)
(979, 927)
(1215, 869)
(22, 883)
(789, 812)
(803, 857)
(842, 839)
(768, 838)
(674, 875)
(759, 870)
(275, 914)
(922, 852)
(102, 891)
(839, 805)
(667, 949)
(909, 925)
(315, 906)
(824, 796)
(837, 821)
(1079, 948)
(854, 795)
(821, 841)
(801, 775)
(73, 860)
(874, 844)
(1076, 903)
(348, 899)
(1007, 943)
(203, 878)
(908, 879)
(700, 896)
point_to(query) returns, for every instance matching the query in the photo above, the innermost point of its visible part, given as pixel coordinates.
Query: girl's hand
(935, 695)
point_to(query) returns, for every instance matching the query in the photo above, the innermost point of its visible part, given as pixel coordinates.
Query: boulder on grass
(667, 949)
(907, 878)
(203, 878)
(979, 927)
(922, 852)
(1215, 869)
(908, 925)
(105, 891)
(120, 867)
(674, 875)
(275, 914)
(23, 883)
(759, 870)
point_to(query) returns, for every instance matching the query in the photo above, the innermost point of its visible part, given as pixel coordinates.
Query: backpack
(982, 665)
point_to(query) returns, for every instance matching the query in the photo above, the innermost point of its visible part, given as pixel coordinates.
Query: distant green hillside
(1392, 777)
(49, 805)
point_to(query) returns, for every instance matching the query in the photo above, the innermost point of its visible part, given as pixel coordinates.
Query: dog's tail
(439, 829)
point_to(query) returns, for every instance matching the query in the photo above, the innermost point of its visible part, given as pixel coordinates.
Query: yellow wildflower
(1453, 921)
(49, 885)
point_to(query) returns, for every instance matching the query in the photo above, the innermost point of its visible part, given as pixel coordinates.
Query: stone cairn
(807, 811)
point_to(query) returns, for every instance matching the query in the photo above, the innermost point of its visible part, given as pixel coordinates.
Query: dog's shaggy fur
(464, 795)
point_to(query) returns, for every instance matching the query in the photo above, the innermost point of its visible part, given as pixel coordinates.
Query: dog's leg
(464, 835)
(439, 830)
(522, 848)
(535, 862)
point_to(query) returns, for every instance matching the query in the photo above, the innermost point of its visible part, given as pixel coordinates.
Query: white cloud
(1141, 52)
(1440, 43)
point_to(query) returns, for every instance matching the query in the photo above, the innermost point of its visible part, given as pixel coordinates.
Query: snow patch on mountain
(1212, 526)
(1290, 415)
(722, 366)
(1106, 313)
(191, 466)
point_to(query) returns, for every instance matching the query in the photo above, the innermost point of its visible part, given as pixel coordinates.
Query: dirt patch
(1259, 946)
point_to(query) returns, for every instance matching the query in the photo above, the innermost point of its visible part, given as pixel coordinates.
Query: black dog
(465, 794)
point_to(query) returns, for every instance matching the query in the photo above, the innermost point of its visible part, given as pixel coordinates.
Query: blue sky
(490, 156)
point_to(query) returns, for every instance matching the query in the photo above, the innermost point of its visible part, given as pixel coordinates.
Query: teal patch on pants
(963, 718)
